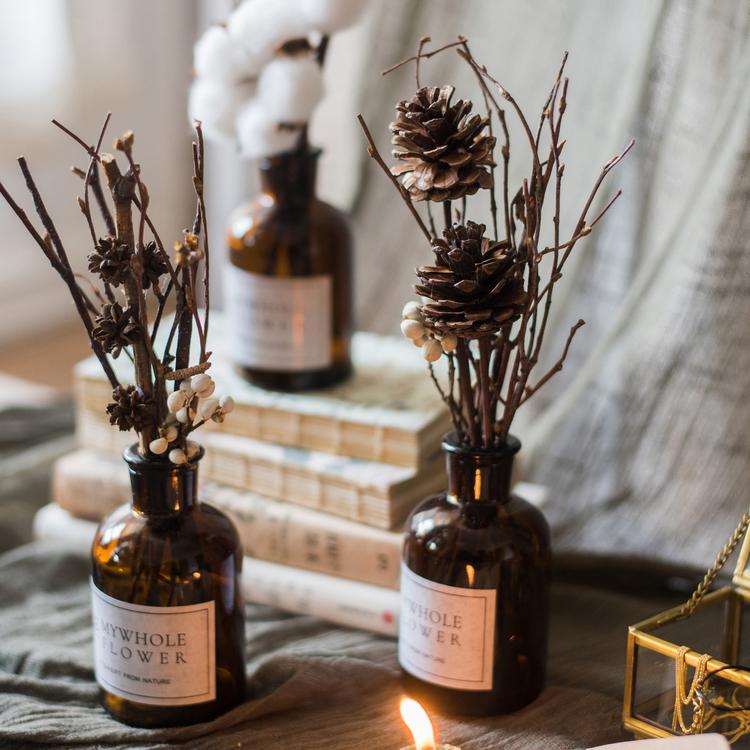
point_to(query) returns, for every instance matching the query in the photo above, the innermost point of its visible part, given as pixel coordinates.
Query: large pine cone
(446, 154)
(130, 409)
(476, 286)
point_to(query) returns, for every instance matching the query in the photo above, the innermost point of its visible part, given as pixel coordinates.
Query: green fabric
(311, 685)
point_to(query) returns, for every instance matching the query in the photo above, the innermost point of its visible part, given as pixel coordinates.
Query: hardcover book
(349, 603)
(89, 485)
(386, 412)
(378, 494)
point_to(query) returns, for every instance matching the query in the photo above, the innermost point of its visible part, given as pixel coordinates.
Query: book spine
(343, 602)
(302, 481)
(90, 486)
(349, 603)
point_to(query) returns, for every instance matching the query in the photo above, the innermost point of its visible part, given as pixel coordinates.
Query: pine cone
(475, 287)
(154, 266)
(115, 329)
(130, 409)
(446, 154)
(110, 260)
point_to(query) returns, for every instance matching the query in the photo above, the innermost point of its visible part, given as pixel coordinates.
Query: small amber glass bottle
(167, 604)
(474, 590)
(288, 282)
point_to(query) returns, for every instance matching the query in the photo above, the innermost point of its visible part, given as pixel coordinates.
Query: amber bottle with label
(474, 590)
(288, 281)
(167, 606)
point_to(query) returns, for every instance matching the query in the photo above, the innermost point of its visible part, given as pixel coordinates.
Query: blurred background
(646, 433)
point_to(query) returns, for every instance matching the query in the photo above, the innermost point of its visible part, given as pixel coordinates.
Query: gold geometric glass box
(688, 669)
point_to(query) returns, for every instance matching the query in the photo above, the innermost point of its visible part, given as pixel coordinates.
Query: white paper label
(279, 323)
(446, 634)
(163, 656)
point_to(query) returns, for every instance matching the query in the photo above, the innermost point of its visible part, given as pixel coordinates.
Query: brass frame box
(684, 669)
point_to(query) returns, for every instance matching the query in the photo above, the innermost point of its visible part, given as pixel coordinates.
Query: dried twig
(124, 259)
(375, 154)
(488, 390)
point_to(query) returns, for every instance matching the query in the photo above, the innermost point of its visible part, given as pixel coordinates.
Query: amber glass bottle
(167, 605)
(474, 590)
(289, 279)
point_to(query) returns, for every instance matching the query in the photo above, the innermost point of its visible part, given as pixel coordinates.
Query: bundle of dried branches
(169, 398)
(486, 299)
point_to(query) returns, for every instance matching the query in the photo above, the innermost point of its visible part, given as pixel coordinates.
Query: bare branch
(531, 390)
(375, 154)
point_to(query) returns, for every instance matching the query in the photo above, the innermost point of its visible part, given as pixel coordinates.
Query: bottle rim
(311, 153)
(451, 444)
(160, 463)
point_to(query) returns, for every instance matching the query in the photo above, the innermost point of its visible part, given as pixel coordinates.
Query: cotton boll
(259, 135)
(260, 27)
(289, 88)
(331, 15)
(215, 104)
(219, 57)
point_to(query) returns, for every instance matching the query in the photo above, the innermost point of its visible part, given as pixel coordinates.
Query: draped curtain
(643, 439)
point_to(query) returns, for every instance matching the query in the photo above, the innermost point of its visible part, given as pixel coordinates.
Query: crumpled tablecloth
(311, 685)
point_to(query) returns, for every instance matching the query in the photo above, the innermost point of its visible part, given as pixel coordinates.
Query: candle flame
(416, 718)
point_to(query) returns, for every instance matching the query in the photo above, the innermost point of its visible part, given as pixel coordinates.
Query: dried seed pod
(412, 329)
(130, 408)
(177, 456)
(207, 408)
(176, 401)
(226, 403)
(170, 433)
(202, 385)
(412, 311)
(158, 446)
(449, 342)
(432, 351)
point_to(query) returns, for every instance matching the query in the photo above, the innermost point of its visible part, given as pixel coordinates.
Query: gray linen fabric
(311, 685)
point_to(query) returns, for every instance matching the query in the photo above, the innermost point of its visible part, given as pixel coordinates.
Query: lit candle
(420, 726)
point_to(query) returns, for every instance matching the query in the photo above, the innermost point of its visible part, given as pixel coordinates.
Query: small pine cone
(445, 154)
(130, 409)
(154, 266)
(115, 328)
(475, 287)
(110, 261)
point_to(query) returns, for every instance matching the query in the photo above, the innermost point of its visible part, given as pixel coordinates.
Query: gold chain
(683, 698)
(726, 551)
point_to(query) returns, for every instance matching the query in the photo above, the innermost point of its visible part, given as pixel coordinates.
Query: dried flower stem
(375, 154)
(488, 390)
(124, 259)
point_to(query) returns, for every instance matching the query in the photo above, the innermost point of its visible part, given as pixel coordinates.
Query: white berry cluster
(413, 327)
(192, 403)
(246, 89)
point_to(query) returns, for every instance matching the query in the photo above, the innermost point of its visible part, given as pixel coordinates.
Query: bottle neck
(480, 475)
(289, 179)
(159, 487)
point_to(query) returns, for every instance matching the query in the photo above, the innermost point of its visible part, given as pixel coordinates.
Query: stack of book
(319, 484)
